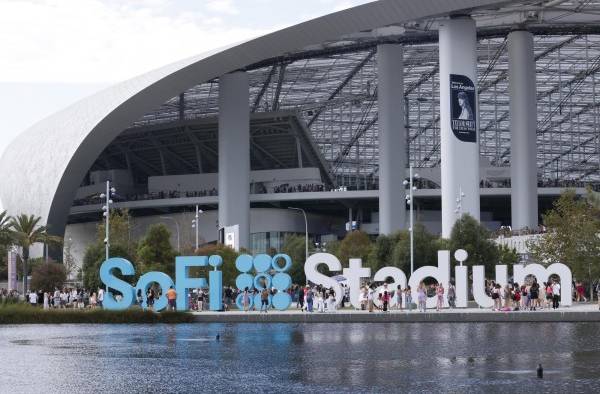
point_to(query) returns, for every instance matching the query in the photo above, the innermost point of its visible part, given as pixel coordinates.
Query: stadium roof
(324, 70)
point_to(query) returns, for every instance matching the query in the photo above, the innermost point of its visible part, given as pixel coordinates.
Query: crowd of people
(160, 195)
(307, 188)
(562, 183)
(75, 298)
(529, 296)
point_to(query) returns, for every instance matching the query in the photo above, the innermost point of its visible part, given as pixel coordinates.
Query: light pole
(176, 227)
(110, 191)
(195, 224)
(306, 231)
(409, 200)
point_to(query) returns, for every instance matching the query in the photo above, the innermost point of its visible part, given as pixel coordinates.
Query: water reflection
(299, 357)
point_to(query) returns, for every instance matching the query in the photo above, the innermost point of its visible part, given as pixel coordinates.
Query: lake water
(322, 358)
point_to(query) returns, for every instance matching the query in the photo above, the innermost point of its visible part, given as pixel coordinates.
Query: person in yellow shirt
(172, 298)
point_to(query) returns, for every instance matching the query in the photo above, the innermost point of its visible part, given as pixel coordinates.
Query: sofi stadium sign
(263, 271)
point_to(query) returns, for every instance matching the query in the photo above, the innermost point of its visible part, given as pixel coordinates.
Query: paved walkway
(575, 313)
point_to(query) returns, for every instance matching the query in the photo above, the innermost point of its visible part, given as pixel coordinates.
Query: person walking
(408, 298)
(331, 307)
(246, 300)
(264, 300)
(100, 298)
(309, 299)
(555, 294)
(440, 296)
(363, 298)
(46, 303)
(320, 300)
(451, 295)
(172, 298)
(549, 297)
(150, 297)
(422, 297)
(200, 300)
(386, 300)
(33, 298)
(496, 298)
(534, 294)
(580, 290)
(370, 295)
(399, 297)
(300, 302)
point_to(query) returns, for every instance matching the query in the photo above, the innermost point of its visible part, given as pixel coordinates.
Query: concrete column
(392, 138)
(523, 125)
(234, 154)
(459, 121)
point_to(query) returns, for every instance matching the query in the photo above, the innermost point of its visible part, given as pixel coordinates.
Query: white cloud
(79, 46)
(94, 41)
(222, 6)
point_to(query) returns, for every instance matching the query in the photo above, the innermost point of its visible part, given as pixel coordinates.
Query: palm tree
(5, 229)
(26, 231)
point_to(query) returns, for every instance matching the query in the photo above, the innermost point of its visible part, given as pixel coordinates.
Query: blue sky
(55, 52)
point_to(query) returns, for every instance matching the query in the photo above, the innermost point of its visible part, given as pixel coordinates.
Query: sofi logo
(182, 284)
(255, 273)
(260, 272)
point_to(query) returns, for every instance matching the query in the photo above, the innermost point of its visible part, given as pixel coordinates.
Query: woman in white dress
(466, 110)
(331, 302)
(46, 303)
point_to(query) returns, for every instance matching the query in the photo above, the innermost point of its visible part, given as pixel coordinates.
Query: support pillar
(234, 154)
(523, 127)
(392, 138)
(459, 121)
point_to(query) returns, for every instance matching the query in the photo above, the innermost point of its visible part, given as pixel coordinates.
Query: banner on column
(462, 108)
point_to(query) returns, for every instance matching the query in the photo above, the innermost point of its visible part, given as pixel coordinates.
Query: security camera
(105, 241)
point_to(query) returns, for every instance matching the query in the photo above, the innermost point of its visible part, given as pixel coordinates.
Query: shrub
(26, 314)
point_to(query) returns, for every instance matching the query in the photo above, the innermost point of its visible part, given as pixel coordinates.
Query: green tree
(27, 231)
(121, 245)
(425, 249)
(294, 246)
(93, 259)
(5, 229)
(507, 255)
(155, 252)
(470, 235)
(48, 276)
(120, 224)
(229, 256)
(381, 254)
(68, 259)
(573, 226)
(356, 244)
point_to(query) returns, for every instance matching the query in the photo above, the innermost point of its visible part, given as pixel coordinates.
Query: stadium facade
(493, 103)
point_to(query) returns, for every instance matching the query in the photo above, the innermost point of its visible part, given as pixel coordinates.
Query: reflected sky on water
(386, 357)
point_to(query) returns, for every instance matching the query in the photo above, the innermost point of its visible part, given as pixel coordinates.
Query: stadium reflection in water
(299, 357)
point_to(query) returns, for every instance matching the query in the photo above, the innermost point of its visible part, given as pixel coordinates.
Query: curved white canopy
(42, 169)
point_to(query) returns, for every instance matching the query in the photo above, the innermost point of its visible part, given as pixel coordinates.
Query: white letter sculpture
(353, 275)
(543, 274)
(399, 278)
(441, 273)
(314, 276)
(481, 298)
